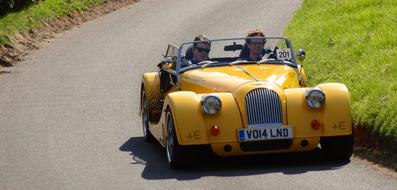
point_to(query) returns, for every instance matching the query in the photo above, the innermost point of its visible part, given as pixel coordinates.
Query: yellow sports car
(234, 104)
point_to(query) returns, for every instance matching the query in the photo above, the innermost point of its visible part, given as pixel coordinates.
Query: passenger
(200, 49)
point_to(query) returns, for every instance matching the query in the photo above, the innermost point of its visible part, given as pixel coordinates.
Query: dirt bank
(375, 148)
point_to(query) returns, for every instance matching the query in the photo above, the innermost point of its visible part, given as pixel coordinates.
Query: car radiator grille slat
(263, 107)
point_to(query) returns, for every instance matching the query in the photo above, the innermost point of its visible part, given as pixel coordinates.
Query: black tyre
(147, 135)
(337, 148)
(174, 150)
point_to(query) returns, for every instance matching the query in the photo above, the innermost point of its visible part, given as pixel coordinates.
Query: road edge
(375, 148)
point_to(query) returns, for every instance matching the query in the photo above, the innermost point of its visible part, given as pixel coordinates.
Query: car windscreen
(235, 50)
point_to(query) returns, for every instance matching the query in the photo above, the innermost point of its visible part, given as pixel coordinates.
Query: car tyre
(147, 135)
(174, 150)
(337, 148)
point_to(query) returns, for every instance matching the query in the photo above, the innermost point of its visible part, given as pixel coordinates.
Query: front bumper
(265, 147)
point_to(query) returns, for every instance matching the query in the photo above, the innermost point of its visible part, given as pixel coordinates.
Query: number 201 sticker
(283, 54)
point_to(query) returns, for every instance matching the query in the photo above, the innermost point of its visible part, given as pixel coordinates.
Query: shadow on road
(153, 156)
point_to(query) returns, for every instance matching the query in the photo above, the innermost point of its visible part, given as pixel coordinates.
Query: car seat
(189, 53)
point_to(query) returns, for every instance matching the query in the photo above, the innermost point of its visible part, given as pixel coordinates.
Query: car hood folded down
(229, 78)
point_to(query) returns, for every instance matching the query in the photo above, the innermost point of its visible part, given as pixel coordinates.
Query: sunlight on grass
(353, 42)
(33, 16)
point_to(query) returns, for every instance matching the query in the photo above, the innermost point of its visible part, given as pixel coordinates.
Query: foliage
(7, 6)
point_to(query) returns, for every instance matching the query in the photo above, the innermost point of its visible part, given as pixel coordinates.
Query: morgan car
(233, 106)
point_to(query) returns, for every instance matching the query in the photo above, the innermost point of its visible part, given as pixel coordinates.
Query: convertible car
(232, 106)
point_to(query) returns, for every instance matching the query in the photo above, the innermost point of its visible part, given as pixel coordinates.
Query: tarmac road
(69, 114)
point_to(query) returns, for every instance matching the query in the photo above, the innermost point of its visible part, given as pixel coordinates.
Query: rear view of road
(69, 113)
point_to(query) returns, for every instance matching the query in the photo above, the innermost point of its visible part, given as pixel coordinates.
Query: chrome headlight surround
(211, 104)
(315, 98)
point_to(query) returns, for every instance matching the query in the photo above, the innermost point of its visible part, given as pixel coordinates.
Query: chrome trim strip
(266, 125)
(246, 72)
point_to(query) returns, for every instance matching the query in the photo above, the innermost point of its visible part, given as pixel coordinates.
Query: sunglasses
(201, 50)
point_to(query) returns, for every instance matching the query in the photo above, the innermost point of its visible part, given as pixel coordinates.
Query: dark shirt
(193, 61)
(257, 59)
(244, 54)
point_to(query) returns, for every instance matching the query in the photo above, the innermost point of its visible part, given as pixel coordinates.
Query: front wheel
(338, 147)
(173, 148)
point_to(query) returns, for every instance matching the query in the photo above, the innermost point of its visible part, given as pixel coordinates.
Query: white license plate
(264, 133)
(283, 54)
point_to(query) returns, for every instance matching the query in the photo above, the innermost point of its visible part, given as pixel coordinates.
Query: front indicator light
(315, 98)
(316, 124)
(214, 130)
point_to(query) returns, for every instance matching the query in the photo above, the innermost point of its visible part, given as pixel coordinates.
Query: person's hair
(255, 32)
(202, 39)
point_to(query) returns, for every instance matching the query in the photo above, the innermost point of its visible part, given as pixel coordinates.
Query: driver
(201, 49)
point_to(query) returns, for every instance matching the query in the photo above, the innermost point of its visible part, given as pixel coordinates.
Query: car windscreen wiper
(206, 63)
(280, 62)
(241, 62)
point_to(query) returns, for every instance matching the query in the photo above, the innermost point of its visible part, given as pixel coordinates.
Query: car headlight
(211, 104)
(315, 98)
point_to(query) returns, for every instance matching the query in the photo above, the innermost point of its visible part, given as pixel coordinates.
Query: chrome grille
(263, 107)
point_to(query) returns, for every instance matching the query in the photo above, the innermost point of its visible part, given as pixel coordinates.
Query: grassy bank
(32, 17)
(353, 42)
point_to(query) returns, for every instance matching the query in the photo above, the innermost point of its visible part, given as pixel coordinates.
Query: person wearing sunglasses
(201, 49)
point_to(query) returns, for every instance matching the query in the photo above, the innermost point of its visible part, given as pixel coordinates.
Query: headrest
(189, 53)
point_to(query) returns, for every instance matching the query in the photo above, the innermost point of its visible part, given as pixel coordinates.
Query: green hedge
(7, 6)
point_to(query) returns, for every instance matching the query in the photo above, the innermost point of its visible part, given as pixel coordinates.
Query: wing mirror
(301, 54)
(166, 60)
(167, 63)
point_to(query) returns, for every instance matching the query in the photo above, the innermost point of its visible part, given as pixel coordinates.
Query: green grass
(33, 16)
(353, 42)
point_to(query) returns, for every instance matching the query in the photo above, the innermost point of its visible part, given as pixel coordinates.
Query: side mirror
(166, 60)
(301, 54)
(167, 63)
